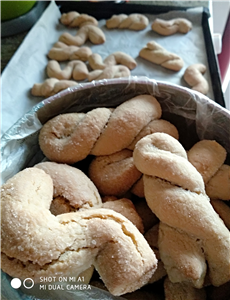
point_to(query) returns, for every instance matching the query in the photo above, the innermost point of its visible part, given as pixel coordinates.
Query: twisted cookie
(133, 22)
(175, 192)
(218, 185)
(71, 137)
(116, 174)
(158, 125)
(51, 86)
(74, 19)
(223, 211)
(36, 243)
(116, 58)
(109, 72)
(61, 52)
(170, 27)
(73, 189)
(156, 54)
(193, 75)
(208, 158)
(182, 255)
(126, 207)
(87, 32)
(173, 291)
(75, 69)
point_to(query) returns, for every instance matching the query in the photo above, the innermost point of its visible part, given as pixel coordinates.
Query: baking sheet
(29, 62)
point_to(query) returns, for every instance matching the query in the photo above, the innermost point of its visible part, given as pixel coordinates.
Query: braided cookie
(116, 58)
(138, 188)
(116, 174)
(126, 207)
(74, 19)
(109, 72)
(176, 249)
(208, 158)
(182, 255)
(158, 125)
(223, 211)
(51, 86)
(193, 75)
(75, 69)
(88, 32)
(36, 243)
(218, 186)
(69, 138)
(158, 55)
(170, 27)
(115, 21)
(62, 52)
(73, 189)
(133, 21)
(175, 192)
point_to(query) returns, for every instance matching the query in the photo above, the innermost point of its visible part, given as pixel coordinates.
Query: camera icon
(16, 283)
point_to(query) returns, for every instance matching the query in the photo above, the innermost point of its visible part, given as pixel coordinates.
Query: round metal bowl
(195, 116)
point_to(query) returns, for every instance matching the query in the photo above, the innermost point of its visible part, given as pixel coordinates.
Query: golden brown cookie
(36, 243)
(175, 192)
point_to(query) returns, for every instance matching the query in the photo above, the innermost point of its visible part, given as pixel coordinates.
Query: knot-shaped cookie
(169, 27)
(175, 192)
(35, 243)
(75, 69)
(69, 138)
(88, 32)
(73, 190)
(125, 207)
(218, 186)
(61, 52)
(74, 19)
(133, 21)
(51, 86)
(158, 55)
(193, 75)
(208, 157)
(116, 174)
(109, 72)
(117, 58)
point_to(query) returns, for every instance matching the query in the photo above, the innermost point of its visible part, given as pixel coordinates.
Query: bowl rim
(154, 85)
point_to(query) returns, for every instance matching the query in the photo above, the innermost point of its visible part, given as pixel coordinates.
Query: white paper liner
(29, 62)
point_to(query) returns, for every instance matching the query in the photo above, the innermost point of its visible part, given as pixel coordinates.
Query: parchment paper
(28, 64)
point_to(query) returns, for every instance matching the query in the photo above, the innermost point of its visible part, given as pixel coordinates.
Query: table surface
(9, 45)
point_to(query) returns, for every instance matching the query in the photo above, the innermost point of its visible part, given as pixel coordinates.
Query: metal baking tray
(105, 9)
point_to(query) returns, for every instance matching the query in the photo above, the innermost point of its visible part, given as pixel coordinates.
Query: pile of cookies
(83, 65)
(138, 213)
